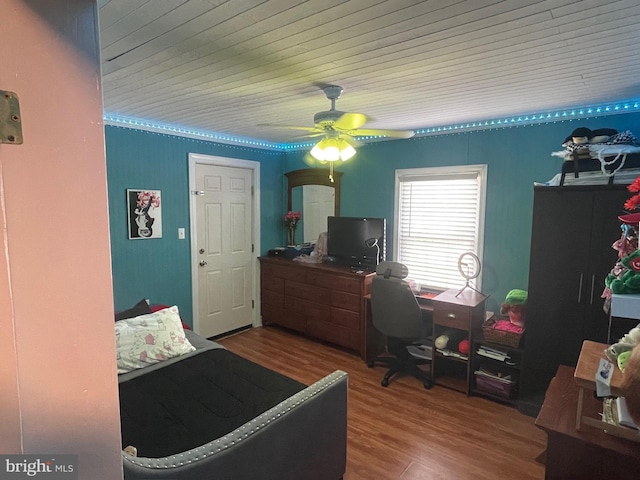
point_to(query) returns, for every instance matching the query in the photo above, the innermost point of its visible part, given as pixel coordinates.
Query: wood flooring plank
(404, 431)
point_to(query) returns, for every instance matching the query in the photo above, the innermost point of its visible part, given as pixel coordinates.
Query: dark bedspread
(197, 400)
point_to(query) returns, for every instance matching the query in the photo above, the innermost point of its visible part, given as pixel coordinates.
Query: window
(439, 215)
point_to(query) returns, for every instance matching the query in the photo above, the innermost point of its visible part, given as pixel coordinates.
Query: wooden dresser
(325, 302)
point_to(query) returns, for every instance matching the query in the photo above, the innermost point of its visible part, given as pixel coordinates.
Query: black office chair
(396, 314)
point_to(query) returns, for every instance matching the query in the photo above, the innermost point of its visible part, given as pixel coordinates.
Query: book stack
(495, 354)
(615, 412)
(494, 376)
(451, 353)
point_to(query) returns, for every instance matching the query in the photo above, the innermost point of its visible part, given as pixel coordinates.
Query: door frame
(195, 158)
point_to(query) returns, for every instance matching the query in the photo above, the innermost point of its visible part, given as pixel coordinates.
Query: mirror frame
(313, 176)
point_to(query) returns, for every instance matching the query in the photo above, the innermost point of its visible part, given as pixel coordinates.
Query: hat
(585, 135)
(515, 298)
(630, 218)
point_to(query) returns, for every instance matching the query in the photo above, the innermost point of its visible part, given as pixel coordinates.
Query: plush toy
(516, 305)
(463, 347)
(625, 344)
(625, 275)
(449, 339)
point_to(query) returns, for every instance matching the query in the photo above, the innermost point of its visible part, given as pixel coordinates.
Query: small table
(463, 311)
(584, 453)
(584, 377)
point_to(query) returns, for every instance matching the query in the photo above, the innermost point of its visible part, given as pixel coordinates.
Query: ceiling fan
(340, 131)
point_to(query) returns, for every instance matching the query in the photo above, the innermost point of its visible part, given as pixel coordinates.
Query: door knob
(202, 263)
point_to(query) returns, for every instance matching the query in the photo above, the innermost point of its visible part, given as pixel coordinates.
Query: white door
(223, 256)
(318, 204)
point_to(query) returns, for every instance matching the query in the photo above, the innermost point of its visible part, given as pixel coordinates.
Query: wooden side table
(585, 453)
(463, 311)
(584, 377)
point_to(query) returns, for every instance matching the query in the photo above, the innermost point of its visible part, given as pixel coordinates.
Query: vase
(291, 235)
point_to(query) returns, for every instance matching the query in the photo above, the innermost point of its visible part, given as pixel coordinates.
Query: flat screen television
(357, 242)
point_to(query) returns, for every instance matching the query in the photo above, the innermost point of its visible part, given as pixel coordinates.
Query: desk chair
(396, 314)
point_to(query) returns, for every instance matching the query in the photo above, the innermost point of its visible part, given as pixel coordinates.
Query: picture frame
(144, 214)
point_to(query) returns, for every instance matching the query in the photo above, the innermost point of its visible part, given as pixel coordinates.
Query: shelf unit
(512, 367)
(462, 311)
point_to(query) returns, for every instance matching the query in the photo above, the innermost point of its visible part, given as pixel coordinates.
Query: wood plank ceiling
(227, 66)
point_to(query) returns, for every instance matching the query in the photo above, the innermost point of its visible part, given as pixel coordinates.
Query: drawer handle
(451, 315)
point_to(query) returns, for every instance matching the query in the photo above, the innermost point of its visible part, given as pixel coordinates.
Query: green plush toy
(625, 276)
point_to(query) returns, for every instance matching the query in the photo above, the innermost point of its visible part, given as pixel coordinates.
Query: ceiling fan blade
(351, 141)
(350, 121)
(311, 135)
(383, 133)
(292, 127)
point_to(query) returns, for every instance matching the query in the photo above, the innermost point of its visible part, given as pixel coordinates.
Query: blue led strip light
(505, 122)
(139, 124)
(530, 119)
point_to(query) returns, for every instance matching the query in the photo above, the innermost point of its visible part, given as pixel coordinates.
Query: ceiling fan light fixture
(332, 150)
(346, 150)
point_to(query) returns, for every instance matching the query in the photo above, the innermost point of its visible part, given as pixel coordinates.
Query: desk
(584, 377)
(586, 453)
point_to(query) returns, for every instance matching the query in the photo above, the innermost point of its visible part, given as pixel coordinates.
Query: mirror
(311, 192)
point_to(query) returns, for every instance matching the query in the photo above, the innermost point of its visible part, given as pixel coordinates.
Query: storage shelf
(511, 400)
(463, 313)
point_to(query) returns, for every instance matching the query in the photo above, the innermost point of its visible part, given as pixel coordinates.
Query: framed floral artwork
(144, 219)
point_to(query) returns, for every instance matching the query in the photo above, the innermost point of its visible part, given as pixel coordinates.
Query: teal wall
(516, 158)
(160, 269)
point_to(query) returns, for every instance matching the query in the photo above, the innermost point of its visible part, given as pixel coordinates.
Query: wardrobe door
(558, 272)
(558, 277)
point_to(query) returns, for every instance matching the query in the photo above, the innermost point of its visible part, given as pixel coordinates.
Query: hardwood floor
(404, 431)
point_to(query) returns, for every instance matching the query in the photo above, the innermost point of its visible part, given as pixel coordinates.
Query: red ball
(463, 347)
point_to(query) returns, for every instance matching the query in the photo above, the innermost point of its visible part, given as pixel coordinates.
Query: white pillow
(151, 338)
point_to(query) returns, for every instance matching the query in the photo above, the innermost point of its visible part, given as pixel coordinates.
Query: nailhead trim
(240, 433)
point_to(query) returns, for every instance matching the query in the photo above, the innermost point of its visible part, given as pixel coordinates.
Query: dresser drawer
(273, 284)
(348, 301)
(307, 292)
(272, 298)
(345, 318)
(320, 279)
(269, 272)
(336, 334)
(272, 314)
(347, 284)
(453, 316)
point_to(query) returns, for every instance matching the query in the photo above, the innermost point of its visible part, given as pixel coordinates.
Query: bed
(207, 413)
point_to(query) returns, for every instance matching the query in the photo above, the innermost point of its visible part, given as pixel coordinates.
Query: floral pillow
(151, 338)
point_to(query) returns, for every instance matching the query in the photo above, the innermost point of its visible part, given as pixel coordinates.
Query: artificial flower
(291, 218)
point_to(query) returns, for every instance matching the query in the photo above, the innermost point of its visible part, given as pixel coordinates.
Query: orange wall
(58, 378)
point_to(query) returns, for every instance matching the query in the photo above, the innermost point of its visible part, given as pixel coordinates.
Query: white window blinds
(439, 215)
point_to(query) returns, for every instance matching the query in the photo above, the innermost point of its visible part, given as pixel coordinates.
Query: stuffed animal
(630, 387)
(625, 275)
(625, 344)
(515, 304)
